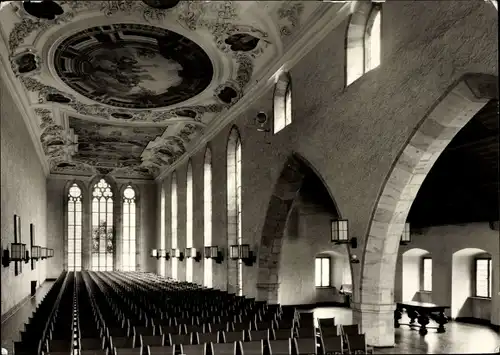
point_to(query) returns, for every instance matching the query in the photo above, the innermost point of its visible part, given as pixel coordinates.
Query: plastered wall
(450, 269)
(24, 194)
(350, 136)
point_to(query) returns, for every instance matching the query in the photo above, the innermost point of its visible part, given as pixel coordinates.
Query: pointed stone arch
(436, 130)
(285, 192)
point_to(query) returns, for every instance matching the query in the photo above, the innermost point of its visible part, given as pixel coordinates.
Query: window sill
(480, 298)
(424, 291)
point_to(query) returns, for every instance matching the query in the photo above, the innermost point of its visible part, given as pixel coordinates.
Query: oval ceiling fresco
(133, 66)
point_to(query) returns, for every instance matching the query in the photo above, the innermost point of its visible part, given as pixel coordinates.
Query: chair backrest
(218, 326)
(351, 329)
(282, 334)
(122, 342)
(194, 329)
(238, 327)
(199, 349)
(330, 332)
(160, 350)
(333, 345)
(356, 342)
(257, 335)
(153, 340)
(231, 337)
(142, 330)
(326, 322)
(93, 352)
(127, 351)
(252, 347)
(208, 337)
(223, 348)
(170, 329)
(92, 343)
(309, 332)
(282, 347)
(306, 346)
(184, 339)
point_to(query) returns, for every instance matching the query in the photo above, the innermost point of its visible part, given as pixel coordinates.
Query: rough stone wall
(24, 194)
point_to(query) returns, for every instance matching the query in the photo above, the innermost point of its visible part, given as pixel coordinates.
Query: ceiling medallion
(133, 66)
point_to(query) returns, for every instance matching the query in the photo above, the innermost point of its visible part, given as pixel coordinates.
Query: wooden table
(422, 312)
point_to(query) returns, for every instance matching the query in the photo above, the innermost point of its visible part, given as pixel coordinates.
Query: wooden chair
(223, 348)
(306, 346)
(282, 334)
(208, 338)
(198, 349)
(152, 340)
(231, 337)
(252, 347)
(257, 335)
(282, 347)
(160, 350)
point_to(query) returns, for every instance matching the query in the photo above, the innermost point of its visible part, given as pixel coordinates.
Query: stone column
(376, 322)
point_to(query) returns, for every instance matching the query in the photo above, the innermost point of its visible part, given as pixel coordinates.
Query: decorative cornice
(120, 180)
(321, 23)
(18, 95)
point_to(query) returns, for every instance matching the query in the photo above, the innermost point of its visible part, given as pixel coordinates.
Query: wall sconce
(154, 253)
(50, 253)
(176, 253)
(18, 253)
(340, 233)
(35, 252)
(192, 253)
(242, 252)
(406, 236)
(354, 259)
(43, 253)
(214, 253)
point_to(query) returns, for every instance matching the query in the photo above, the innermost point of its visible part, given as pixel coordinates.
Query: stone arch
(430, 138)
(285, 191)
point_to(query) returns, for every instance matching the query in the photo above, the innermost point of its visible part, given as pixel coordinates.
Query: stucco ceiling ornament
(189, 131)
(45, 116)
(194, 112)
(291, 12)
(26, 63)
(63, 166)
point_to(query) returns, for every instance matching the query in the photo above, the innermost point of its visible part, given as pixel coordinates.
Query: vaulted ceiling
(125, 87)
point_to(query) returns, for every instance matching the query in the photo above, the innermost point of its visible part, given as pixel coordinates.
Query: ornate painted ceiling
(124, 87)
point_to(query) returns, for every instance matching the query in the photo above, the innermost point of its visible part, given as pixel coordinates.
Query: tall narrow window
(373, 39)
(129, 225)
(102, 227)
(282, 103)
(364, 37)
(162, 229)
(207, 218)
(74, 228)
(483, 280)
(173, 223)
(189, 220)
(427, 274)
(235, 275)
(322, 271)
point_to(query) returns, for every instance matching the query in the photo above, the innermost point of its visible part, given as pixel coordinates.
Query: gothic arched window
(75, 218)
(102, 227)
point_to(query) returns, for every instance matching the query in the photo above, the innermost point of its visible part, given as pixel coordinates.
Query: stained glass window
(102, 227)
(74, 228)
(129, 229)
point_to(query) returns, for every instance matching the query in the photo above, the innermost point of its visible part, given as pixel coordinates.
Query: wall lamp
(340, 233)
(50, 253)
(242, 252)
(44, 253)
(176, 253)
(213, 252)
(18, 253)
(405, 236)
(35, 252)
(192, 253)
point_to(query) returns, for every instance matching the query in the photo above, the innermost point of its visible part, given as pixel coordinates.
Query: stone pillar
(376, 322)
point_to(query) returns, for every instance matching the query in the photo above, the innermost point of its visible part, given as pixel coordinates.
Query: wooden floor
(459, 337)
(15, 323)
